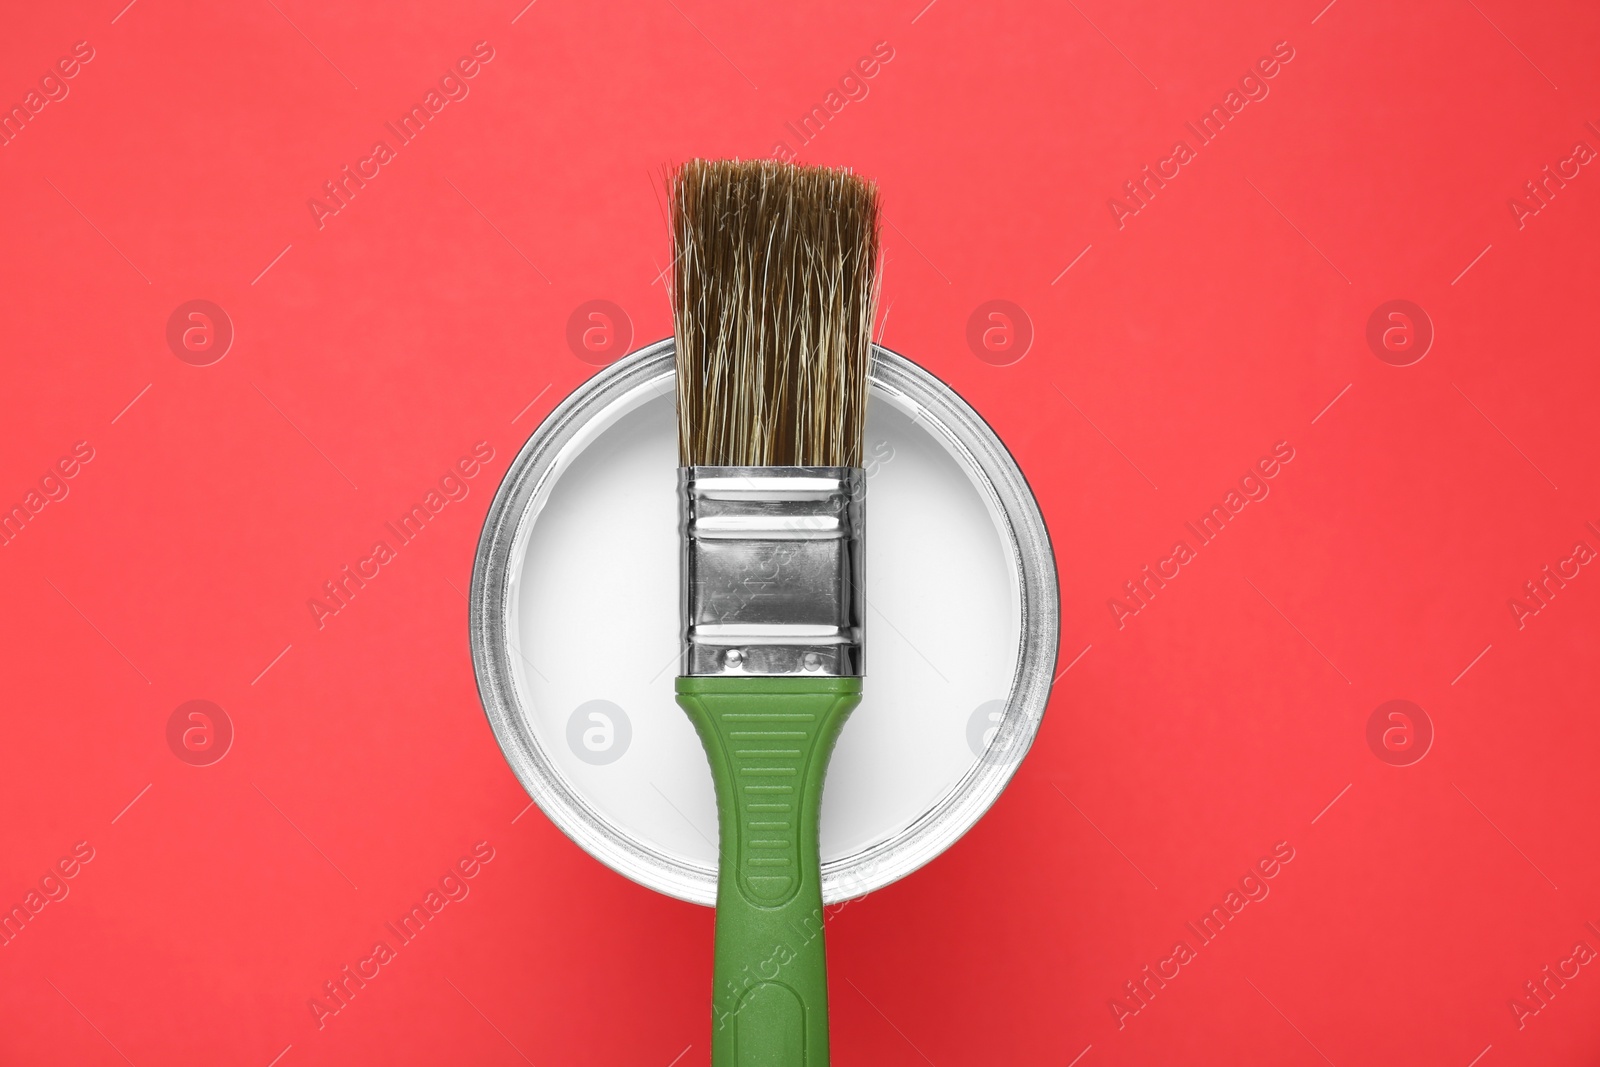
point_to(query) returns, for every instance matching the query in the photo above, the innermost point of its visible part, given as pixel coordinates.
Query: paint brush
(775, 283)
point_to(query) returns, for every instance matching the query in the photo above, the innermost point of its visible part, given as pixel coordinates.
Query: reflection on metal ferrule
(771, 571)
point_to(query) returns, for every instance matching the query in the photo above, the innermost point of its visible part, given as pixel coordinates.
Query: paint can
(574, 627)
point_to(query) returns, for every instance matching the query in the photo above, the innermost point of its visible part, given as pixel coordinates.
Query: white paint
(596, 612)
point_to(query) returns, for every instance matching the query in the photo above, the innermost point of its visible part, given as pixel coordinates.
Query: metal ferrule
(771, 572)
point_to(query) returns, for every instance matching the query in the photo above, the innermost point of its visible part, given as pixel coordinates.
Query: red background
(432, 310)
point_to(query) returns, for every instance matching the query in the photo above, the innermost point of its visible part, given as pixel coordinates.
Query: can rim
(520, 497)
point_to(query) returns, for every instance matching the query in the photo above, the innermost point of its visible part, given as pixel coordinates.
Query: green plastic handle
(768, 740)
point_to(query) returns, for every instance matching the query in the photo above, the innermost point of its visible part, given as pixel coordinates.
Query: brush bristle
(775, 285)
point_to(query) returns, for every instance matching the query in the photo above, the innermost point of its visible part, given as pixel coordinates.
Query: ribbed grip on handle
(768, 740)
